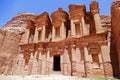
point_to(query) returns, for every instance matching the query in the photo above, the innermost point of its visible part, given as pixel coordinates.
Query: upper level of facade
(61, 25)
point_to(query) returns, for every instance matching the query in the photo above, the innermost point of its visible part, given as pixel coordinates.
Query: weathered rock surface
(18, 23)
(106, 22)
(115, 37)
(9, 45)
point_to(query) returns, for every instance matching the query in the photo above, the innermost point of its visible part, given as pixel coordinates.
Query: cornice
(67, 43)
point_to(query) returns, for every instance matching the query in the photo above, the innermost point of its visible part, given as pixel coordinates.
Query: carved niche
(93, 48)
(43, 21)
(58, 17)
(78, 28)
(94, 51)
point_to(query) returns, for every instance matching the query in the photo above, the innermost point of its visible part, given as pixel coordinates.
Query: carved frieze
(96, 40)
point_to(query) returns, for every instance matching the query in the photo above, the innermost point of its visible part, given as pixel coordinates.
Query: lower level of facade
(84, 57)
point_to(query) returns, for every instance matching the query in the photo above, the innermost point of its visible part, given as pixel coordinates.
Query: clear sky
(10, 8)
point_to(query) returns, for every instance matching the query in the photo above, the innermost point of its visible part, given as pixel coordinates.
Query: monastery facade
(72, 44)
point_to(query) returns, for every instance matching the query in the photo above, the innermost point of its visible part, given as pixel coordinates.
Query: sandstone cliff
(18, 23)
(10, 35)
(106, 22)
(9, 45)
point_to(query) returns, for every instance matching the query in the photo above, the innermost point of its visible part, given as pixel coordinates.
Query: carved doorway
(56, 64)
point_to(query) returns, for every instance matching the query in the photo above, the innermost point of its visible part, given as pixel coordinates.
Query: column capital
(94, 12)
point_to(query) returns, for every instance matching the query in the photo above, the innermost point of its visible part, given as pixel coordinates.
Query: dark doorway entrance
(57, 63)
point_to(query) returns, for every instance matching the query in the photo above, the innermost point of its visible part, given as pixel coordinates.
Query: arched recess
(94, 50)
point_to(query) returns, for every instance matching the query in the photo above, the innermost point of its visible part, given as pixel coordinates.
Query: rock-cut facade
(70, 43)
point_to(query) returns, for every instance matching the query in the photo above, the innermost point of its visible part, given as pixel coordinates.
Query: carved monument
(74, 44)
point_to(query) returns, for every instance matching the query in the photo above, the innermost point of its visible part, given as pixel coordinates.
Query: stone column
(35, 64)
(68, 63)
(66, 66)
(73, 62)
(31, 63)
(53, 33)
(39, 63)
(36, 35)
(62, 63)
(78, 65)
(85, 32)
(88, 56)
(88, 60)
(43, 33)
(82, 64)
(100, 60)
(43, 71)
(65, 71)
(105, 51)
(97, 23)
(109, 39)
(94, 9)
(48, 65)
(101, 65)
(72, 28)
(63, 31)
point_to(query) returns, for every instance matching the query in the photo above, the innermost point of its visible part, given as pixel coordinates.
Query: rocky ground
(47, 77)
(36, 77)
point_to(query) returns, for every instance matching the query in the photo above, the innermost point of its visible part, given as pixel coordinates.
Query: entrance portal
(57, 63)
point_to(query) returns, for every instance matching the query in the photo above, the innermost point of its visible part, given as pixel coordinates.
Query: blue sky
(10, 8)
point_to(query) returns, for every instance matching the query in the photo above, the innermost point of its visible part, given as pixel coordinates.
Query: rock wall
(9, 45)
(18, 23)
(106, 22)
(115, 43)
